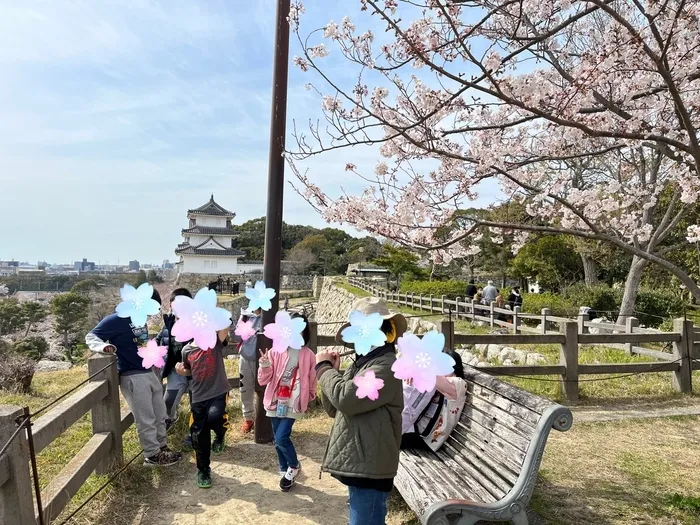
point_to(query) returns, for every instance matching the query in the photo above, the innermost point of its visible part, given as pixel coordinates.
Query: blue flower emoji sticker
(137, 303)
(259, 296)
(364, 332)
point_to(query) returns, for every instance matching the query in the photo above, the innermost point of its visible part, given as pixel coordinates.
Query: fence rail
(102, 454)
(570, 334)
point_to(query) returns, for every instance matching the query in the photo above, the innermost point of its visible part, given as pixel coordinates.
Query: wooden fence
(101, 454)
(569, 334)
(104, 450)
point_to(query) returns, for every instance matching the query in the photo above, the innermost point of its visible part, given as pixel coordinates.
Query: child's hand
(264, 358)
(181, 370)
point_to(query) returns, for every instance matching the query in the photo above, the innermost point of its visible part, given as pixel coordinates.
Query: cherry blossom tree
(585, 111)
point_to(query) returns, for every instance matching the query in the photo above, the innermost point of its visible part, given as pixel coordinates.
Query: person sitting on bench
(429, 418)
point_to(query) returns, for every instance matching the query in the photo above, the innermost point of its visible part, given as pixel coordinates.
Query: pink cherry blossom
(244, 329)
(422, 360)
(153, 355)
(199, 319)
(586, 113)
(285, 332)
(368, 385)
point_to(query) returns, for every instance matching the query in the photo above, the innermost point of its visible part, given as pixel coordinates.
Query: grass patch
(622, 473)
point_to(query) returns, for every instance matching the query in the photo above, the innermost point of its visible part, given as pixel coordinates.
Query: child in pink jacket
(290, 381)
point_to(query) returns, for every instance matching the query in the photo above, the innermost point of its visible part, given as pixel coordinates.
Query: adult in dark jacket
(471, 290)
(515, 299)
(363, 448)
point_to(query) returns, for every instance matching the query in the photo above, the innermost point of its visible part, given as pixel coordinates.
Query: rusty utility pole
(275, 197)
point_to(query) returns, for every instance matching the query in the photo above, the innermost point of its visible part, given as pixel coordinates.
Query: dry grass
(621, 473)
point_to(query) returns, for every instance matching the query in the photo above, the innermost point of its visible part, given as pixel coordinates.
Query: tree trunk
(634, 278)
(590, 269)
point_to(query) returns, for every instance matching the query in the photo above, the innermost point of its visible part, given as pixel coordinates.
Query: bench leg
(520, 519)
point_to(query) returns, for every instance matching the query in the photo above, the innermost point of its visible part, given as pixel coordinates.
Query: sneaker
(168, 424)
(167, 450)
(218, 447)
(247, 426)
(289, 478)
(204, 479)
(162, 459)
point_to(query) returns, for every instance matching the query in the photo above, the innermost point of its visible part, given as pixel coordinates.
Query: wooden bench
(487, 469)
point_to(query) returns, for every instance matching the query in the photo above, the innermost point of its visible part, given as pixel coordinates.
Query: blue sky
(119, 115)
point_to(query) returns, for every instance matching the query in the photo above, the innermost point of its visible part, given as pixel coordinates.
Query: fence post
(492, 313)
(516, 320)
(569, 359)
(545, 313)
(430, 305)
(16, 503)
(457, 306)
(582, 320)
(313, 336)
(473, 311)
(443, 304)
(447, 327)
(413, 301)
(420, 302)
(630, 325)
(683, 378)
(106, 415)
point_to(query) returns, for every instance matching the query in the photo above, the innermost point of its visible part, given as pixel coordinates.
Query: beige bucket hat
(371, 305)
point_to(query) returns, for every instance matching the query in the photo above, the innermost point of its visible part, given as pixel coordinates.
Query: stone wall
(194, 282)
(297, 282)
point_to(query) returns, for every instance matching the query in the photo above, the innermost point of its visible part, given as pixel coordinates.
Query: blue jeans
(367, 506)
(286, 453)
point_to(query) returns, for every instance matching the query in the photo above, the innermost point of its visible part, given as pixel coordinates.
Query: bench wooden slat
(494, 465)
(503, 478)
(466, 486)
(510, 406)
(466, 471)
(496, 427)
(524, 428)
(491, 440)
(466, 439)
(517, 395)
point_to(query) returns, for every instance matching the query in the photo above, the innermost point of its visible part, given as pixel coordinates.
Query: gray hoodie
(249, 348)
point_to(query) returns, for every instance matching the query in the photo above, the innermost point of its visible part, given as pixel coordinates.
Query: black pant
(207, 416)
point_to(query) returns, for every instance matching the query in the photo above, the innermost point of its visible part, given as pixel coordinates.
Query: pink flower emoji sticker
(244, 329)
(368, 385)
(285, 332)
(199, 319)
(153, 355)
(422, 360)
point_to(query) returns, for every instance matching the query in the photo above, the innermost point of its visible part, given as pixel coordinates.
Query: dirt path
(246, 490)
(685, 407)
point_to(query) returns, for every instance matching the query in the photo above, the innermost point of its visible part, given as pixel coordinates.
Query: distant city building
(167, 265)
(134, 266)
(10, 263)
(208, 242)
(6, 270)
(30, 270)
(84, 266)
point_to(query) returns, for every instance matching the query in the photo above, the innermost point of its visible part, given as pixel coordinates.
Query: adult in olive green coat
(363, 449)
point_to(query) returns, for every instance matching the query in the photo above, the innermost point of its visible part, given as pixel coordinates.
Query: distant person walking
(515, 299)
(471, 290)
(490, 293)
(248, 284)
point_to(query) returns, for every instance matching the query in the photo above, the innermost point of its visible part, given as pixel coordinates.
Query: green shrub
(450, 289)
(654, 306)
(600, 298)
(533, 303)
(33, 347)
